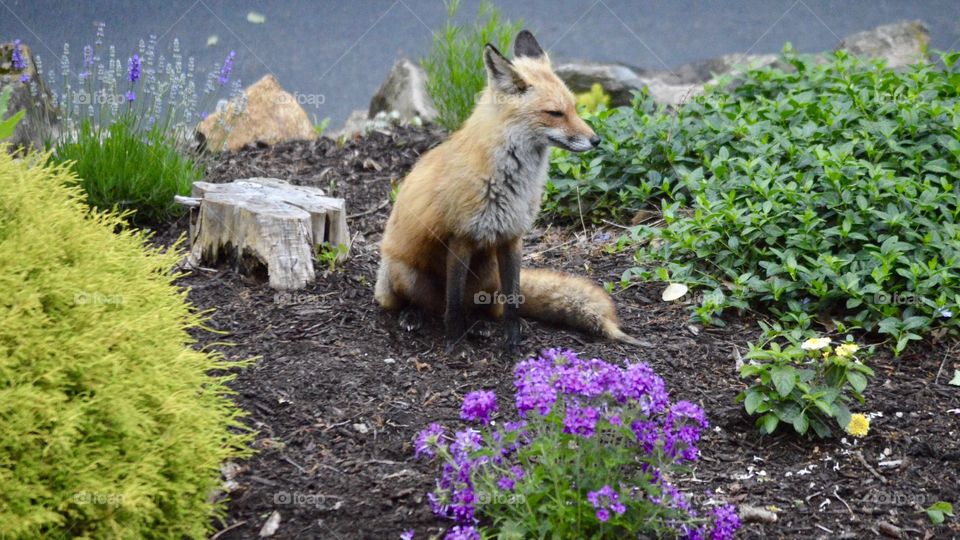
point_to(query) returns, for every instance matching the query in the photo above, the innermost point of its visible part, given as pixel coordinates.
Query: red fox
(453, 240)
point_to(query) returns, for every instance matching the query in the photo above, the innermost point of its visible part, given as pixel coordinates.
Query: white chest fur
(511, 196)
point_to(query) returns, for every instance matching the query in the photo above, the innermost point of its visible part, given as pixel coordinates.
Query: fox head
(526, 94)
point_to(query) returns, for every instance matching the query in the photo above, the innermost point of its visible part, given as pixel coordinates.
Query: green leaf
(784, 379)
(938, 510)
(801, 424)
(8, 126)
(768, 423)
(753, 400)
(857, 380)
(955, 381)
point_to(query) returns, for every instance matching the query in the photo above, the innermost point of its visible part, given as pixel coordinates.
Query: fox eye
(555, 114)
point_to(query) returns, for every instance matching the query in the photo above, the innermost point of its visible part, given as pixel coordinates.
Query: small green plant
(454, 65)
(112, 423)
(8, 126)
(805, 385)
(938, 512)
(123, 168)
(329, 255)
(322, 126)
(591, 101)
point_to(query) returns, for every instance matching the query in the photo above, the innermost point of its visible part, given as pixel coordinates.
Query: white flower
(815, 344)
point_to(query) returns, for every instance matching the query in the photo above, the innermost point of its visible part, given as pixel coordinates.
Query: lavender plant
(598, 452)
(147, 86)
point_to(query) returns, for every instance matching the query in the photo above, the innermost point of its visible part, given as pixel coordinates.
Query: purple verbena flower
(428, 439)
(604, 500)
(226, 68)
(682, 427)
(133, 69)
(130, 95)
(639, 383)
(25, 78)
(464, 442)
(19, 63)
(580, 421)
(462, 532)
(407, 535)
(478, 406)
(505, 483)
(725, 522)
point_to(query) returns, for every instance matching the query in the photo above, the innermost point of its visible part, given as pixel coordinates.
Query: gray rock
(666, 87)
(40, 119)
(404, 91)
(355, 125)
(901, 44)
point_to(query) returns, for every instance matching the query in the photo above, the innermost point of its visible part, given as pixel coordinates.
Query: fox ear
(501, 73)
(526, 45)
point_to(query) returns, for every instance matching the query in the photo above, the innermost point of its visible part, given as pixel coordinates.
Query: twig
(821, 527)
(541, 252)
(867, 466)
(228, 529)
(945, 356)
(837, 496)
(370, 211)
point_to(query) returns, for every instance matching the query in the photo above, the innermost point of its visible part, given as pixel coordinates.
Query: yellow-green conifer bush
(111, 425)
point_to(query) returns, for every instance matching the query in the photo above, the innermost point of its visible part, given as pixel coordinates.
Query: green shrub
(129, 168)
(828, 191)
(111, 424)
(454, 65)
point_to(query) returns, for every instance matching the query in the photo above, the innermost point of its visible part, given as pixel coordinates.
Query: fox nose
(595, 141)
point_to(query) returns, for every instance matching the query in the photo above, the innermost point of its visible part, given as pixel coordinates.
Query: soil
(337, 390)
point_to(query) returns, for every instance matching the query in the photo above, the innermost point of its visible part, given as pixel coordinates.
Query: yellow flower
(846, 350)
(859, 425)
(814, 344)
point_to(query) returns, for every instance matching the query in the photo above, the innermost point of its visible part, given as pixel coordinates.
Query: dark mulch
(338, 390)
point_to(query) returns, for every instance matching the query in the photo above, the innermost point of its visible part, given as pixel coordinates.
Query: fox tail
(571, 301)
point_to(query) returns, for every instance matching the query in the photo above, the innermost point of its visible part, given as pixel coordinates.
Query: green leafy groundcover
(817, 189)
(110, 423)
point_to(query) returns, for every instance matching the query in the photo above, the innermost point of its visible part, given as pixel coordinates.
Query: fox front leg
(458, 265)
(508, 260)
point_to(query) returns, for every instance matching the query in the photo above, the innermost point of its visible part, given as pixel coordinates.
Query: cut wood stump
(265, 225)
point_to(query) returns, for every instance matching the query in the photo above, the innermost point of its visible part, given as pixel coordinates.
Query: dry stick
(867, 466)
(228, 529)
(370, 211)
(945, 356)
(836, 495)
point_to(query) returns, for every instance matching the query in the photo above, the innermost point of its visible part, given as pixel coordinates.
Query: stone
(617, 80)
(405, 91)
(270, 115)
(40, 119)
(354, 126)
(901, 44)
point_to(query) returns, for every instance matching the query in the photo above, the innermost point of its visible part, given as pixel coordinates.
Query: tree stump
(265, 225)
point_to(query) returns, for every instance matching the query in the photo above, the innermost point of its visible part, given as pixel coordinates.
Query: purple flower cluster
(591, 403)
(605, 500)
(478, 406)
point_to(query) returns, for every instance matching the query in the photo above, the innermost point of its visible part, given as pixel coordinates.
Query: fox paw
(410, 319)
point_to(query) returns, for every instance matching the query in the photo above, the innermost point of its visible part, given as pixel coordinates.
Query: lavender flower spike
(133, 72)
(226, 69)
(18, 62)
